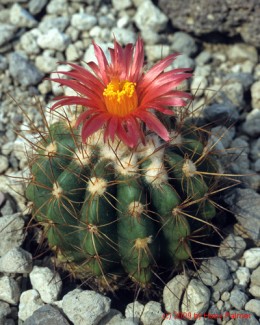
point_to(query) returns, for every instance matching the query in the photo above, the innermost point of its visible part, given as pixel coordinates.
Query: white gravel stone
(196, 298)
(83, 21)
(157, 52)
(173, 291)
(252, 257)
(123, 21)
(134, 310)
(53, 39)
(49, 22)
(122, 4)
(255, 94)
(47, 282)
(30, 301)
(7, 32)
(251, 125)
(238, 299)
(16, 260)
(242, 52)
(150, 37)
(243, 276)
(45, 63)
(56, 88)
(4, 163)
(198, 85)
(57, 7)
(85, 307)
(29, 41)
(253, 305)
(123, 35)
(9, 290)
(72, 53)
(152, 313)
(174, 321)
(12, 233)
(184, 43)
(148, 16)
(21, 17)
(255, 291)
(232, 247)
(114, 317)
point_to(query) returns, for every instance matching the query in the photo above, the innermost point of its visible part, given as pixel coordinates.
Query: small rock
(152, 313)
(29, 41)
(223, 285)
(251, 125)
(46, 315)
(156, 52)
(46, 282)
(255, 277)
(255, 291)
(83, 22)
(253, 305)
(36, 6)
(114, 316)
(16, 260)
(57, 7)
(30, 301)
(198, 85)
(150, 37)
(252, 257)
(3, 65)
(148, 16)
(7, 32)
(9, 290)
(5, 310)
(123, 35)
(243, 276)
(216, 266)
(174, 321)
(204, 57)
(207, 278)
(239, 319)
(224, 134)
(232, 247)
(50, 22)
(85, 307)
(241, 52)
(221, 113)
(184, 43)
(72, 53)
(23, 71)
(21, 17)
(225, 296)
(173, 292)
(255, 94)
(134, 310)
(183, 61)
(56, 88)
(12, 234)
(244, 203)
(4, 163)
(46, 41)
(196, 298)
(45, 63)
(2, 200)
(121, 5)
(238, 299)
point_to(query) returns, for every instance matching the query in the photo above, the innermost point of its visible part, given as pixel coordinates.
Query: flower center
(120, 97)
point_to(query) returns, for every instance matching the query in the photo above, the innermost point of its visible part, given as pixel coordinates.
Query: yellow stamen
(120, 97)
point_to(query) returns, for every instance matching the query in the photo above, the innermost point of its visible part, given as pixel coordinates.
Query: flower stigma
(120, 97)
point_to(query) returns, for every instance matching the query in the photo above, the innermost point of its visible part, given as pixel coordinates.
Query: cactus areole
(124, 190)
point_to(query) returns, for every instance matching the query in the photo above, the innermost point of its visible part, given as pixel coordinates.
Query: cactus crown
(130, 195)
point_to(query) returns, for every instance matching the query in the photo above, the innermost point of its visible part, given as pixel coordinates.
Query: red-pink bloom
(119, 96)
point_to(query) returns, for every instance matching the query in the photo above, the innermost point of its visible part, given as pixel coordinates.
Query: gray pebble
(204, 57)
(12, 233)
(253, 305)
(216, 266)
(244, 203)
(53, 39)
(243, 276)
(7, 32)
(148, 16)
(46, 315)
(83, 21)
(124, 35)
(16, 260)
(9, 290)
(5, 310)
(152, 313)
(29, 41)
(224, 134)
(21, 18)
(221, 113)
(57, 7)
(36, 6)
(252, 257)
(85, 307)
(49, 22)
(255, 291)
(255, 277)
(223, 285)
(23, 71)
(4, 163)
(183, 61)
(30, 301)
(120, 5)
(238, 299)
(184, 43)
(3, 62)
(232, 247)
(251, 125)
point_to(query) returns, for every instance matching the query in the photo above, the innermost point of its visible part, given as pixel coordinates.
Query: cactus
(132, 193)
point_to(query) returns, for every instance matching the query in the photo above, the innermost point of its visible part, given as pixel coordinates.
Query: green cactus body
(107, 208)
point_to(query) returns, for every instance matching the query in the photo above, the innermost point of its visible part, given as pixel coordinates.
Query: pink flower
(119, 96)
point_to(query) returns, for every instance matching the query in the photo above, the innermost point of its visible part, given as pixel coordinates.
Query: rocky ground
(34, 36)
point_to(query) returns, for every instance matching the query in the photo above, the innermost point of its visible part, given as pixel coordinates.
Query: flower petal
(93, 124)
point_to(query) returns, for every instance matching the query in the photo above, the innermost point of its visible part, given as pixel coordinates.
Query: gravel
(36, 37)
